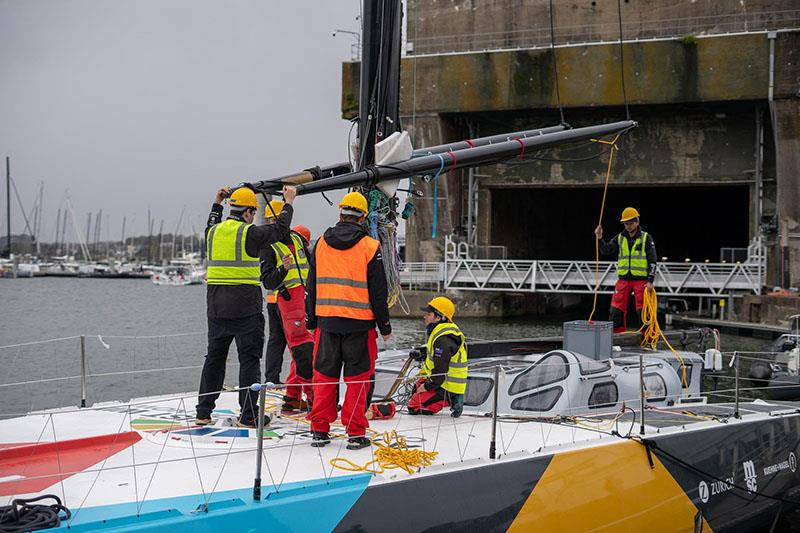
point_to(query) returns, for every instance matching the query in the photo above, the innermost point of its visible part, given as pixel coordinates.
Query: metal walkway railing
(689, 279)
(461, 271)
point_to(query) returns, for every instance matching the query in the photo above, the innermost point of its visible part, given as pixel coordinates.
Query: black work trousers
(248, 332)
(276, 345)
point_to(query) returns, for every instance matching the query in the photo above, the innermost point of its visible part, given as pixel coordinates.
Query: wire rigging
(555, 66)
(622, 61)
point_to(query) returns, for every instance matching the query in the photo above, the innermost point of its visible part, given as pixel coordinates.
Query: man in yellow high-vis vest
(636, 265)
(233, 297)
(284, 273)
(443, 376)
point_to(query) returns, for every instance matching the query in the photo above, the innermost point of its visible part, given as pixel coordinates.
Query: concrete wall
(443, 26)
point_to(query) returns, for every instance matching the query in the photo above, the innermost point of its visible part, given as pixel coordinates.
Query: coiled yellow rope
(651, 331)
(393, 452)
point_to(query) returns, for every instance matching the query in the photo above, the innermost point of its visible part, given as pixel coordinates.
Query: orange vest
(342, 280)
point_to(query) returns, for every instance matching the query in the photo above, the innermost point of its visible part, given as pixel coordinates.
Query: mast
(64, 233)
(58, 231)
(8, 205)
(88, 228)
(124, 219)
(161, 241)
(149, 238)
(379, 100)
(39, 218)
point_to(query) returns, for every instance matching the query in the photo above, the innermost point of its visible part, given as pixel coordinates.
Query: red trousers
(427, 402)
(300, 342)
(353, 354)
(622, 293)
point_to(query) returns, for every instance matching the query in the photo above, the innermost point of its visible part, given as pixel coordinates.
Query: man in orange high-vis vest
(347, 298)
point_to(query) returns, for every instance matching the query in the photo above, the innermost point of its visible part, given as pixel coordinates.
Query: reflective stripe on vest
(633, 261)
(342, 279)
(293, 277)
(228, 260)
(456, 379)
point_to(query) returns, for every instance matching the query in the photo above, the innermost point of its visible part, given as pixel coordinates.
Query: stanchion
(641, 393)
(262, 397)
(736, 389)
(83, 370)
(492, 448)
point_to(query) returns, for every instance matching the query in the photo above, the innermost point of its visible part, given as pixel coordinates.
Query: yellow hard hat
(275, 206)
(243, 197)
(443, 306)
(629, 213)
(354, 200)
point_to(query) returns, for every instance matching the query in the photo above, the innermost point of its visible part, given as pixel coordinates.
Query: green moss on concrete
(685, 70)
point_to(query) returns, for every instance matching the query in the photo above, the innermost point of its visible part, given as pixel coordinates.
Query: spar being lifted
(274, 185)
(441, 158)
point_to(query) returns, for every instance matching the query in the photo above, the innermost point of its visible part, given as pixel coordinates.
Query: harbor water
(142, 340)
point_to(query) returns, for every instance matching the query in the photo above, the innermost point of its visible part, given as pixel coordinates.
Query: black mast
(379, 100)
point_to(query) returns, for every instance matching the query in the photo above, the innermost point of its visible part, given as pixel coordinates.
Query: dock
(745, 329)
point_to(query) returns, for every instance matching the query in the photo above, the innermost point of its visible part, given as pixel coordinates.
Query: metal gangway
(460, 270)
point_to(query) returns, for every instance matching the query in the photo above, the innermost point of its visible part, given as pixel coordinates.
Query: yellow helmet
(243, 197)
(275, 206)
(354, 200)
(443, 306)
(629, 213)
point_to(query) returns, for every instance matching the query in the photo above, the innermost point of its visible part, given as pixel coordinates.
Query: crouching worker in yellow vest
(443, 378)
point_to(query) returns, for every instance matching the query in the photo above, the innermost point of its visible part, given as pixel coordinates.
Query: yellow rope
(393, 452)
(651, 331)
(614, 148)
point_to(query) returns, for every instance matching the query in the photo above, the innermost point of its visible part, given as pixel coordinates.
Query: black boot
(319, 439)
(356, 443)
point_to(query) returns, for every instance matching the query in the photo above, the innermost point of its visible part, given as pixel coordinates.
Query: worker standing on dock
(233, 297)
(284, 272)
(443, 377)
(636, 265)
(347, 297)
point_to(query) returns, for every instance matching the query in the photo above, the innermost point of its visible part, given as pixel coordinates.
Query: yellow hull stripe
(607, 488)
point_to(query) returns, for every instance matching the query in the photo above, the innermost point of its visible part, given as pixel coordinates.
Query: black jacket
(612, 248)
(444, 348)
(343, 236)
(237, 301)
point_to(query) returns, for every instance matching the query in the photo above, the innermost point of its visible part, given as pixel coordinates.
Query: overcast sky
(125, 104)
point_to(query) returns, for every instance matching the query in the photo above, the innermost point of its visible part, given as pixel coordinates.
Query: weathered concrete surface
(788, 167)
(707, 69)
(442, 26)
(767, 309)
